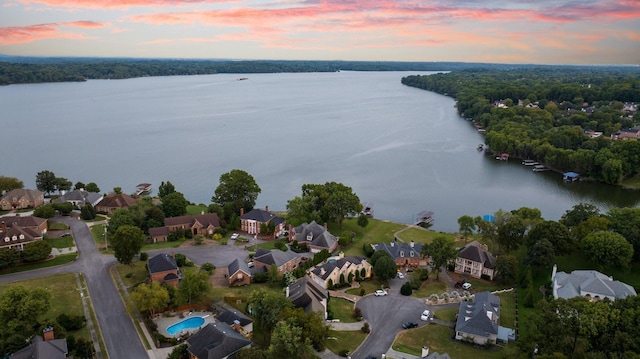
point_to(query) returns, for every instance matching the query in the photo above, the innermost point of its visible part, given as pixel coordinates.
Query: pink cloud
(109, 4)
(25, 34)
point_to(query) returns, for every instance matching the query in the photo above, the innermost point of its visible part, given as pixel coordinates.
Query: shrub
(362, 292)
(261, 277)
(433, 297)
(280, 245)
(144, 256)
(343, 353)
(181, 259)
(406, 289)
(365, 328)
(208, 267)
(455, 294)
(128, 275)
(71, 322)
(368, 250)
(357, 313)
(198, 240)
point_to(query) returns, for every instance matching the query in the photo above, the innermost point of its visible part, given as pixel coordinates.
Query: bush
(71, 322)
(208, 267)
(144, 256)
(433, 297)
(181, 259)
(365, 328)
(406, 289)
(362, 292)
(343, 353)
(261, 277)
(280, 245)
(368, 250)
(357, 313)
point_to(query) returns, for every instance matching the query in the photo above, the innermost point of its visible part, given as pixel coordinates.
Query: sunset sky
(519, 31)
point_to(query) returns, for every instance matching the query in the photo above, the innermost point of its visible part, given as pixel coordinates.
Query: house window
(22, 236)
(14, 238)
(6, 239)
(401, 253)
(411, 254)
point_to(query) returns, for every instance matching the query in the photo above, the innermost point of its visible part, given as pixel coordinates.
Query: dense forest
(570, 118)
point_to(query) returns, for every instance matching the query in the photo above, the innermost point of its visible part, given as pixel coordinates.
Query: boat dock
(143, 189)
(540, 168)
(367, 209)
(424, 219)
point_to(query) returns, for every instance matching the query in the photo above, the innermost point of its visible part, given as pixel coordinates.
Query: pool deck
(165, 322)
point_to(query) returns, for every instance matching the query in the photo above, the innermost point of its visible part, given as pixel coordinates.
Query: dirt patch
(219, 278)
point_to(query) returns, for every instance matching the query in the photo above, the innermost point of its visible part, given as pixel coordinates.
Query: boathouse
(570, 176)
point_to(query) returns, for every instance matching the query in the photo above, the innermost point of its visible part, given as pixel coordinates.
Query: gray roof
(261, 215)
(29, 194)
(23, 221)
(275, 256)
(161, 262)
(80, 195)
(229, 317)
(319, 235)
(41, 349)
(306, 294)
(330, 266)
(473, 317)
(435, 355)
(401, 249)
(475, 251)
(237, 266)
(582, 282)
(215, 341)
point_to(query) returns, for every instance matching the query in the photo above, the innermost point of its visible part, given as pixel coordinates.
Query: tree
(150, 297)
(237, 188)
(126, 243)
(406, 289)
(312, 324)
(507, 269)
(540, 255)
(87, 212)
(248, 353)
(385, 268)
(20, 310)
(179, 352)
(287, 341)
(84, 349)
(342, 202)
(510, 232)
(92, 187)
(45, 211)
(302, 210)
(554, 232)
(626, 222)
(165, 188)
(194, 285)
(174, 204)
(363, 221)
(120, 217)
(330, 201)
(266, 308)
(63, 184)
(8, 257)
(377, 255)
(79, 185)
(578, 214)
(441, 251)
(117, 190)
(608, 249)
(9, 183)
(274, 273)
(64, 208)
(35, 251)
(467, 226)
(46, 181)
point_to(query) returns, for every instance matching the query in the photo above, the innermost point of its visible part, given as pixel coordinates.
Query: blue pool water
(190, 323)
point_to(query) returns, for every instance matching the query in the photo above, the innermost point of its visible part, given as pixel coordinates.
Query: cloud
(25, 34)
(111, 4)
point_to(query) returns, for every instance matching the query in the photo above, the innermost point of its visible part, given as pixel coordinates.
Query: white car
(380, 293)
(400, 275)
(425, 315)
(466, 286)
(235, 236)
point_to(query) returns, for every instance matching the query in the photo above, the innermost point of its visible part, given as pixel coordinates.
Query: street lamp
(105, 238)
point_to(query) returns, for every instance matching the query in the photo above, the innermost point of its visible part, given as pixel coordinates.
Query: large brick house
(404, 254)
(33, 222)
(114, 201)
(285, 261)
(251, 221)
(16, 236)
(475, 260)
(314, 236)
(21, 198)
(163, 268)
(238, 273)
(329, 273)
(205, 224)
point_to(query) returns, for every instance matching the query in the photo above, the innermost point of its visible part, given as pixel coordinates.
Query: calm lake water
(406, 150)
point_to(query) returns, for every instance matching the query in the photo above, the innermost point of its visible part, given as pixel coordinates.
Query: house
(404, 254)
(216, 340)
(238, 273)
(308, 295)
(16, 236)
(237, 320)
(163, 268)
(475, 260)
(204, 224)
(329, 273)
(251, 221)
(627, 133)
(285, 261)
(478, 320)
(44, 347)
(80, 197)
(570, 176)
(113, 201)
(21, 198)
(314, 236)
(590, 284)
(32, 222)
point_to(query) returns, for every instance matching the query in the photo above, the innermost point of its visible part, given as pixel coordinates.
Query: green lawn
(430, 286)
(56, 225)
(65, 297)
(369, 286)
(446, 314)
(63, 242)
(507, 309)
(97, 232)
(133, 274)
(194, 210)
(58, 260)
(342, 309)
(438, 339)
(376, 231)
(161, 245)
(345, 340)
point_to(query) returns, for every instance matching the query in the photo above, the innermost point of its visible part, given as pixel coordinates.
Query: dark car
(66, 234)
(409, 325)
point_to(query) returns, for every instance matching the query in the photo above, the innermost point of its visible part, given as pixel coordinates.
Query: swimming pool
(191, 323)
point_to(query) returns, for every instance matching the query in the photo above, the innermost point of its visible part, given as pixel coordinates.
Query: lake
(405, 150)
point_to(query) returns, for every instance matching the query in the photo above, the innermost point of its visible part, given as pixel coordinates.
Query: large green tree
(174, 204)
(267, 308)
(626, 221)
(540, 255)
(312, 324)
(9, 183)
(63, 184)
(165, 189)
(507, 269)
(578, 214)
(554, 232)
(46, 181)
(150, 297)
(8, 257)
(288, 341)
(330, 201)
(237, 188)
(467, 225)
(385, 268)
(126, 243)
(92, 187)
(120, 217)
(302, 209)
(608, 249)
(20, 311)
(441, 251)
(35, 251)
(194, 285)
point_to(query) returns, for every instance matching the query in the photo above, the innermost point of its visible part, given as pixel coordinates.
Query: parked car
(409, 325)
(400, 275)
(235, 236)
(380, 293)
(425, 315)
(250, 264)
(466, 286)
(66, 234)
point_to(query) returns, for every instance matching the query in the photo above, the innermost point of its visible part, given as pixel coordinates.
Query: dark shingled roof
(261, 215)
(275, 256)
(215, 341)
(41, 349)
(307, 294)
(161, 263)
(229, 317)
(319, 235)
(475, 251)
(237, 266)
(117, 201)
(401, 249)
(473, 317)
(30, 194)
(158, 231)
(330, 266)
(23, 221)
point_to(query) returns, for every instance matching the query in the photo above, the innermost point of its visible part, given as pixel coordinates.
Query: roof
(23, 221)
(435, 355)
(479, 317)
(158, 231)
(401, 249)
(275, 256)
(116, 201)
(230, 317)
(161, 263)
(324, 270)
(571, 174)
(261, 215)
(307, 294)
(475, 251)
(17, 234)
(238, 266)
(205, 220)
(318, 234)
(79, 195)
(30, 194)
(216, 341)
(583, 282)
(41, 349)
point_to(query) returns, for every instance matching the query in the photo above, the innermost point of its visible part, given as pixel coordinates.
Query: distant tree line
(544, 114)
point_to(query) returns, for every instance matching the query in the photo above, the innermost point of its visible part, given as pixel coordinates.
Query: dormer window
(310, 237)
(14, 238)
(401, 253)
(21, 236)
(411, 253)
(7, 239)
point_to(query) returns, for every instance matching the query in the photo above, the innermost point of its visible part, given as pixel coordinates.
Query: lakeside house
(252, 221)
(80, 197)
(475, 260)
(477, 321)
(404, 254)
(21, 198)
(314, 236)
(163, 268)
(329, 273)
(590, 284)
(114, 201)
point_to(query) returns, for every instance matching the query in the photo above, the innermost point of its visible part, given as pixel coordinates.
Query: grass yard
(345, 340)
(430, 286)
(245, 291)
(342, 309)
(63, 242)
(97, 232)
(65, 297)
(437, 338)
(58, 260)
(376, 231)
(447, 314)
(369, 286)
(507, 310)
(194, 210)
(57, 225)
(133, 274)
(161, 245)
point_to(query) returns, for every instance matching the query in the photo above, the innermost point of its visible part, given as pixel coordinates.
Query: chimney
(241, 212)
(266, 208)
(553, 272)
(325, 225)
(287, 293)
(3, 226)
(411, 244)
(392, 244)
(47, 333)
